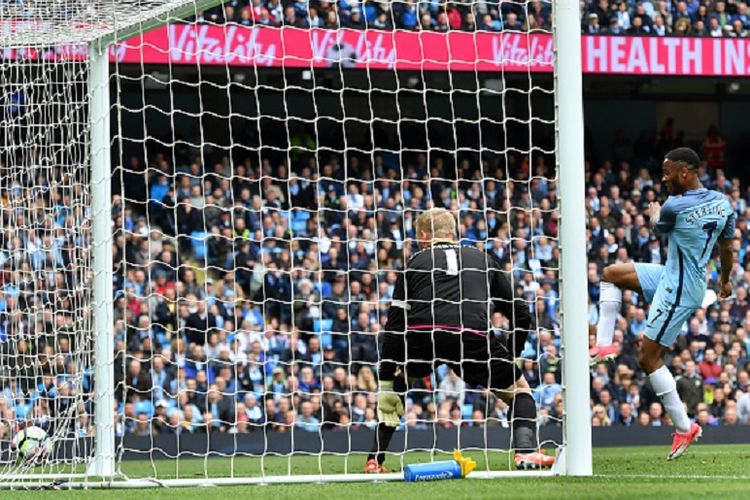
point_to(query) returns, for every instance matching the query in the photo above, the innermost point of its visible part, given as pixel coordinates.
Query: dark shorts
(478, 361)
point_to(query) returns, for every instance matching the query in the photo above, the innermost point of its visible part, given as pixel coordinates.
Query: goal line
(126, 483)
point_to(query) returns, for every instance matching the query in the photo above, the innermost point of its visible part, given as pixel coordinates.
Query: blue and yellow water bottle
(457, 468)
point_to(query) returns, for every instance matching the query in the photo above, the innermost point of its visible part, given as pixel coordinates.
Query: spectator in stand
(355, 20)
(690, 387)
(442, 24)
(488, 23)
(721, 15)
(408, 14)
(659, 28)
(715, 29)
(625, 416)
(682, 27)
(714, 148)
(622, 17)
(708, 368)
(645, 16)
(283, 327)
(637, 27)
(291, 18)
(546, 393)
(742, 15)
(512, 23)
(593, 27)
(730, 32)
(664, 10)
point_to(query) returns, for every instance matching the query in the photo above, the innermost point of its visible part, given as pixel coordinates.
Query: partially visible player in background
(693, 219)
(440, 313)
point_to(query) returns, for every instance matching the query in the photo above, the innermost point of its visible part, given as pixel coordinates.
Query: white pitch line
(675, 476)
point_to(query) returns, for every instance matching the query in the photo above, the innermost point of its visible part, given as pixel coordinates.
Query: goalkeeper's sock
(610, 303)
(523, 417)
(383, 436)
(665, 387)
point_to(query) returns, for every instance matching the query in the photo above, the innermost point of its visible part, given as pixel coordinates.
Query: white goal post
(79, 340)
(569, 102)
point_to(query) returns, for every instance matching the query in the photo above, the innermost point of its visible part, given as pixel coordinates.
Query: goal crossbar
(98, 21)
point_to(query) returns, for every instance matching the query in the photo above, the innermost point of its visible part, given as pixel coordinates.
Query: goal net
(205, 207)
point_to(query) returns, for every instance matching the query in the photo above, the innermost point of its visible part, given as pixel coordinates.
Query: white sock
(610, 302)
(664, 386)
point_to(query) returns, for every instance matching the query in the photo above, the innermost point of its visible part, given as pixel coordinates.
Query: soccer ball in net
(32, 445)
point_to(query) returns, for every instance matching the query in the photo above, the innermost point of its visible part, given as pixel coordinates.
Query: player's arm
(726, 253)
(516, 310)
(393, 336)
(662, 219)
(390, 407)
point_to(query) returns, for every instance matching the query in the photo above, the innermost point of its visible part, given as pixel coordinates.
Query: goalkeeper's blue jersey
(693, 222)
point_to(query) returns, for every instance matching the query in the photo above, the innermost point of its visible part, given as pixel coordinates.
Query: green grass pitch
(705, 471)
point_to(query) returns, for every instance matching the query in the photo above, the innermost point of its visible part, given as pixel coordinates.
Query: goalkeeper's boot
(535, 460)
(602, 354)
(373, 467)
(682, 440)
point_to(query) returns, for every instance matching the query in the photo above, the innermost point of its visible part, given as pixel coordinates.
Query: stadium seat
(198, 243)
(326, 340)
(144, 407)
(323, 288)
(322, 325)
(22, 410)
(466, 410)
(301, 215)
(299, 227)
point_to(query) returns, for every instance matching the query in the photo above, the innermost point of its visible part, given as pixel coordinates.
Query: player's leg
(641, 278)
(507, 383)
(419, 354)
(384, 433)
(664, 324)
(522, 414)
(523, 417)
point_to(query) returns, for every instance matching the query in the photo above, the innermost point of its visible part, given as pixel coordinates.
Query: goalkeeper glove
(390, 407)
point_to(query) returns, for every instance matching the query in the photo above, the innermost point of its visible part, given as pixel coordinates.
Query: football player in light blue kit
(693, 219)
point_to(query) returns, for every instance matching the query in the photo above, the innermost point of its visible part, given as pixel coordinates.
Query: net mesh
(265, 186)
(31, 23)
(45, 261)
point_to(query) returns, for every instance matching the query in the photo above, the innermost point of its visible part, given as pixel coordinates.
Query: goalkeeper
(440, 313)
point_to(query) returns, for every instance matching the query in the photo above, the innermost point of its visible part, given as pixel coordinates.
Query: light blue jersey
(693, 223)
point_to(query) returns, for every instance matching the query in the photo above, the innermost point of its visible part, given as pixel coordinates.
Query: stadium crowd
(642, 17)
(253, 295)
(282, 327)
(708, 18)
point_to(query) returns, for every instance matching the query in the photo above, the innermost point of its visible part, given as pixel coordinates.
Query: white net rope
(45, 261)
(268, 214)
(34, 23)
(265, 187)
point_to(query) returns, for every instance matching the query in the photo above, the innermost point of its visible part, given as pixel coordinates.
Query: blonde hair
(437, 222)
(366, 380)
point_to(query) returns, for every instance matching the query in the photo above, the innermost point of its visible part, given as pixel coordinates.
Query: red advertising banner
(320, 48)
(237, 45)
(666, 56)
